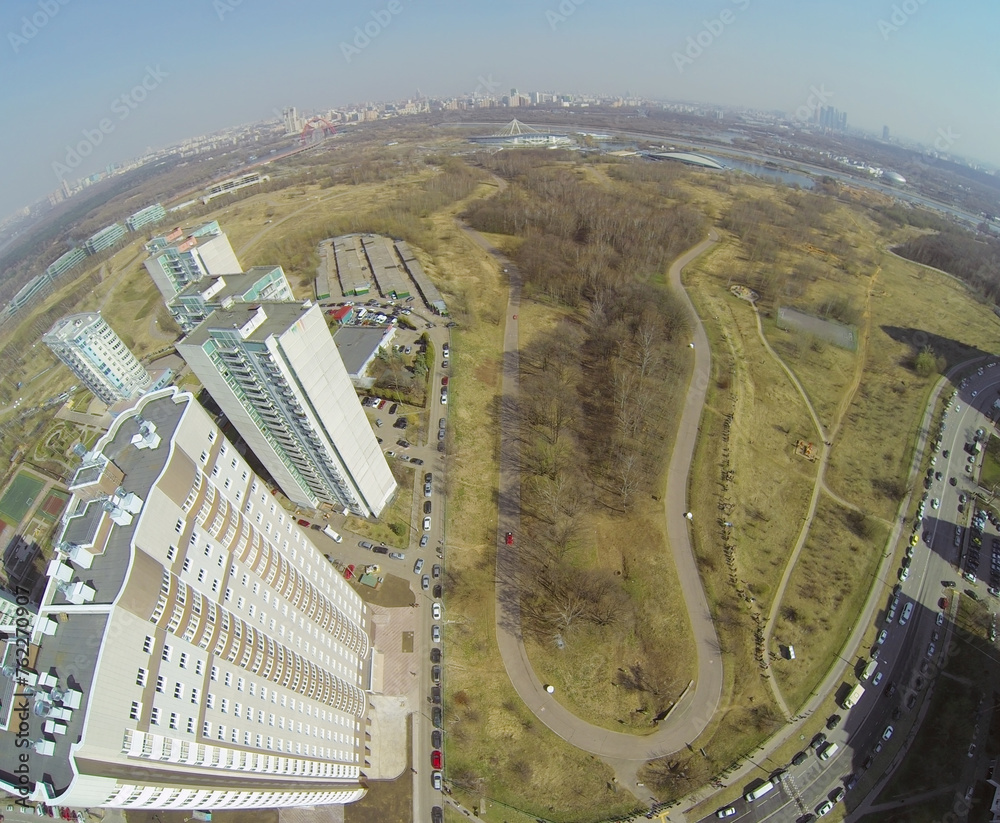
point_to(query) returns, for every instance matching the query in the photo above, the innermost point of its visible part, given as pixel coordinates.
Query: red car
(349, 572)
(509, 539)
(436, 759)
(304, 523)
(444, 381)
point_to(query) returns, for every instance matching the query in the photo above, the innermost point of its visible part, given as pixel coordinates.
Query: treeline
(580, 239)
(973, 259)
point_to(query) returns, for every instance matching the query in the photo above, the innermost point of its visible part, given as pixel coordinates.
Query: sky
(126, 76)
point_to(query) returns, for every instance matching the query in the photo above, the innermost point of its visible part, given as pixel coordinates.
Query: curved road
(697, 705)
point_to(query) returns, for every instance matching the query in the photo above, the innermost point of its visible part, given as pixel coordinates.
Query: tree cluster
(974, 260)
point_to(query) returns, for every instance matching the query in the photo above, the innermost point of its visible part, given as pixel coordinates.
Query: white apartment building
(184, 256)
(193, 649)
(275, 371)
(97, 356)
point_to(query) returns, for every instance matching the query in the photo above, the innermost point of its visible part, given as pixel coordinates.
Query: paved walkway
(697, 706)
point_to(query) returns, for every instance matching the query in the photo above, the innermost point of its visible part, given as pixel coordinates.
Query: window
(184, 660)
(187, 564)
(154, 716)
(229, 678)
(190, 725)
(140, 677)
(171, 553)
(208, 550)
(195, 694)
(167, 653)
(160, 683)
(147, 644)
(211, 436)
(239, 684)
(204, 457)
(179, 526)
(199, 666)
(215, 673)
(173, 720)
(210, 701)
(135, 711)
(206, 729)
(224, 705)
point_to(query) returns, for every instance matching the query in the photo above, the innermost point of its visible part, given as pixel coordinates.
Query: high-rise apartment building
(193, 649)
(196, 301)
(275, 371)
(106, 238)
(185, 256)
(97, 356)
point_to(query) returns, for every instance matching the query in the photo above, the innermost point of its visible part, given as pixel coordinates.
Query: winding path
(697, 705)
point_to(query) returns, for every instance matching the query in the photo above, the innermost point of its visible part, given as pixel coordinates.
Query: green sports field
(19, 498)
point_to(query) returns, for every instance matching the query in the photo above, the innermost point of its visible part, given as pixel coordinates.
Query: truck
(870, 669)
(759, 792)
(332, 534)
(854, 696)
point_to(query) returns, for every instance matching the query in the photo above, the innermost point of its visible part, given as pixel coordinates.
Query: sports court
(19, 498)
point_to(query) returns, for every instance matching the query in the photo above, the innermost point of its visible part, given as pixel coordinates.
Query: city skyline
(75, 73)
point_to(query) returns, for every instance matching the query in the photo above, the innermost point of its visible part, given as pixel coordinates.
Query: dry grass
(496, 749)
(911, 307)
(826, 592)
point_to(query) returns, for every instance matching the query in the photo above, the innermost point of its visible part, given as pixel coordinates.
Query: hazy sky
(928, 69)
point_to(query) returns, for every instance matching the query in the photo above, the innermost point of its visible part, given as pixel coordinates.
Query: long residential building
(193, 649)
(275, 371)
(96, 355)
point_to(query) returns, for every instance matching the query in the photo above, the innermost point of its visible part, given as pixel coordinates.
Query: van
(828, 751)
(907, 611)
(869, 669)
(332, 534)
(759, 792)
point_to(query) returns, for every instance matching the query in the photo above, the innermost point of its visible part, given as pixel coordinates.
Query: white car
(427, 524)
(436, 611)
(887, 733)
(940, 618)
(824, 808)
(444, 398)
(729, 811)
(935, 503)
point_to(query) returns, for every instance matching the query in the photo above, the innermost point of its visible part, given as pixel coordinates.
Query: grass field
(826, 592)
(19, 498)
(989, 475)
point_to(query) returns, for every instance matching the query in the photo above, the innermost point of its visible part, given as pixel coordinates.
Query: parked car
(423, 540)
(418, 565)
(436, 570)
(366, 545)
(436, 781)
(436, 674)
(397, 555)
(436, 759)
(436, 634)
(435, 655)
(427, 507)
(427, 524)
(425, 582)
(380, 549)
(436, 611)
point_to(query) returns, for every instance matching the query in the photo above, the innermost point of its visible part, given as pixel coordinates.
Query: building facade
(105, 238)
(68, 261)
(97, 356)
(274, 370)
(197, 301)
(193, 649)
(146, 217)
(185, 256)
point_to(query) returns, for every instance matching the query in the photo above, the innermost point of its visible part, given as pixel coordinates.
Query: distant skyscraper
(292, 121)
(193, 649)
(885, 132)
(187, 255)
(96, 355)
(275, 371)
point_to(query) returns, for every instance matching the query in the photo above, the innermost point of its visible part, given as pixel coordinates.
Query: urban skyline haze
(145, 77)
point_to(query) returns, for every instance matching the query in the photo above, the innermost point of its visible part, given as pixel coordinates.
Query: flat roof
(280, 315)
(357, 344)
